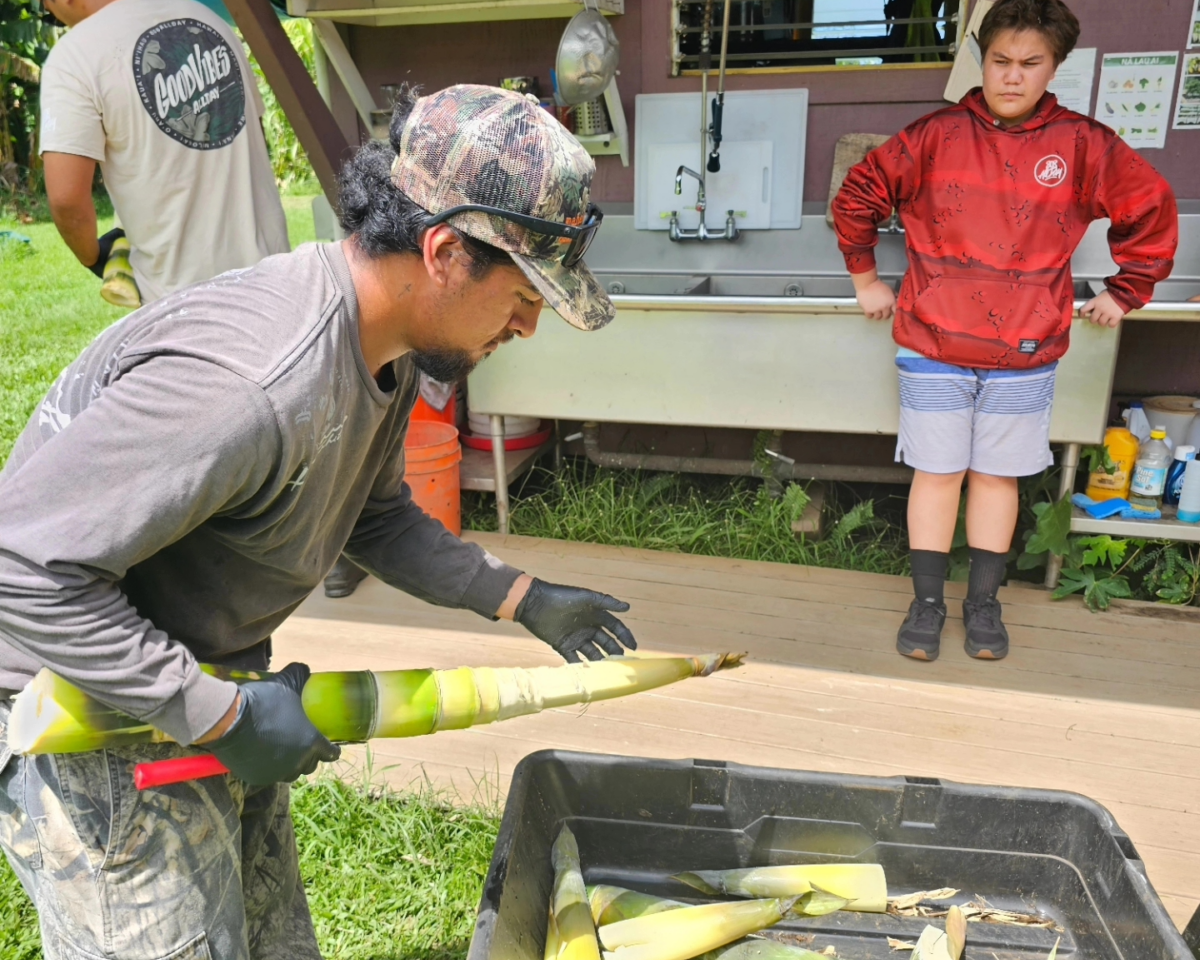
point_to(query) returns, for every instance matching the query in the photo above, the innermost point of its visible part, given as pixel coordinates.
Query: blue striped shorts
(958, 418)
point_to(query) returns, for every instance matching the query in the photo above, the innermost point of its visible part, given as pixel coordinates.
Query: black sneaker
(344, 578)
(920, 634)
(987, 638)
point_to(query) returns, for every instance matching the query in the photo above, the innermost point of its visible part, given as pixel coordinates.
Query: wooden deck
(1105, 705)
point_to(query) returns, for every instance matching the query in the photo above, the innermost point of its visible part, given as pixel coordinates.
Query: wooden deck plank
(1089, 703)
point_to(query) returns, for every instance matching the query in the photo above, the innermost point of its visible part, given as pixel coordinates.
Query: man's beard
(448, 366)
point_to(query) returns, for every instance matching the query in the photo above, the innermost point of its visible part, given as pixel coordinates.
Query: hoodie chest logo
(1050, 171)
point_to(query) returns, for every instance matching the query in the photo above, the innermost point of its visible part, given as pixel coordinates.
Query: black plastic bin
(637, 821)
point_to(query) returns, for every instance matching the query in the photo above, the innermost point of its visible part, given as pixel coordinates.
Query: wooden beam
(331, 42)
(315, 127)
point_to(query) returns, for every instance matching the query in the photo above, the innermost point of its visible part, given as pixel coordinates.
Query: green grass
(389, 876)
(688, 514)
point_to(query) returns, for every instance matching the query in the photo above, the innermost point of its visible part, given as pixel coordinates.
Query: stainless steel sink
(799, 285)
(727, 285)
(1176, 290)
(652, 285)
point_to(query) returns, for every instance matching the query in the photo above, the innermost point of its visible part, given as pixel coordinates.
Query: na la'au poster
(1194, 28)
(1136, 95)
(1187, 107)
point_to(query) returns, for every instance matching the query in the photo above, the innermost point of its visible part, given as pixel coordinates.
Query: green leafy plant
(1097, 458)
(290, 163)
(1170, 571)
(1050, 534)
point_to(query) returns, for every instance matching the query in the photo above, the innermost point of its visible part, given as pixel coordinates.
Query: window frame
(733, 67)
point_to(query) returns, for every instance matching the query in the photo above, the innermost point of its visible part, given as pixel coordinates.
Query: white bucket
(514, 427)
(1174, 413)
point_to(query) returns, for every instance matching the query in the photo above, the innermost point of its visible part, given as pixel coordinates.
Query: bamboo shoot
(571, 915)
(612, 904)
(52, 716)
(862, 884)
(691, 931)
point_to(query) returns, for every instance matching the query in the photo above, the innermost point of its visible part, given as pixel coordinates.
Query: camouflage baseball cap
(471, 144)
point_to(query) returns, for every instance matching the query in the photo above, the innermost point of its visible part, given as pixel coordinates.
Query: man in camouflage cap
(191, 477)
(468, 148)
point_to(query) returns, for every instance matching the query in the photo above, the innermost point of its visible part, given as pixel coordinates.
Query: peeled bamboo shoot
(52, 716)
(862, 884)
(690, 931)
(571, 917)
(613, 904)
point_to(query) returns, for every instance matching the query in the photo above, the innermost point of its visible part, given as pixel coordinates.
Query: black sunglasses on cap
(576, 239)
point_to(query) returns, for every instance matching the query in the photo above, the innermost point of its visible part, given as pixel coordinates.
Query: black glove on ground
(272, 739)
(106, 243)
(578, 623)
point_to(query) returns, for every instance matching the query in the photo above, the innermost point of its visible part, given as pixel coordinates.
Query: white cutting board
(742, 185)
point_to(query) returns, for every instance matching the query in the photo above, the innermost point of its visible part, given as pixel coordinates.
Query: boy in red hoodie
(994, 194)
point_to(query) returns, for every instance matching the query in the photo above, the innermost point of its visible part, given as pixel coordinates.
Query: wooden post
(315, 127)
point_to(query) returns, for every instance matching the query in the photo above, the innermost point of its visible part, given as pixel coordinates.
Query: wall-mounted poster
(1135, 96)
(1072, 84)
(1187, 107)
(1194, 28)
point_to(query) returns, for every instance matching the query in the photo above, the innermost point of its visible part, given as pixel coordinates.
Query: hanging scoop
(588, 54)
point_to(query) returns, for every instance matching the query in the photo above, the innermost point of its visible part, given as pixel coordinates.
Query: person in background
(159, 94)
(995, 194)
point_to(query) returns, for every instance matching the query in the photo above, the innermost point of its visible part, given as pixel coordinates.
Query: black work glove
(578, 623)
(272, 739)
(106, 243)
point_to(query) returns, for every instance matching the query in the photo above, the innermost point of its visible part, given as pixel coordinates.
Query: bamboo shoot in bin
(862, 884)
(571, 916)
(690, 931)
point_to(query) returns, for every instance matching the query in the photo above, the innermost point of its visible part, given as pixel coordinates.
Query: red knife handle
(163, 773)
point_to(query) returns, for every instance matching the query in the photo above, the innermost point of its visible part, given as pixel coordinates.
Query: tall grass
(714, 517)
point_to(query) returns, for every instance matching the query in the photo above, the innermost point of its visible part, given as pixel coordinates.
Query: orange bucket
(432, 454)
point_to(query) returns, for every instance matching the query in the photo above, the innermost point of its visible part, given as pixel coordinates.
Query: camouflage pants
(205, 870)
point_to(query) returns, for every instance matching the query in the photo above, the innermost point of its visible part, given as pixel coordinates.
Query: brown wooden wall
(840, 102)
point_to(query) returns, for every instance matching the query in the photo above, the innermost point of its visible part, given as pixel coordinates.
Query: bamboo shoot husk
(862, 884)
(691, 931)
(52, 716)
(612, 904)
(571, 914)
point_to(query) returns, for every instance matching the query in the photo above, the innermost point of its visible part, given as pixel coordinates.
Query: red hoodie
(992, 216)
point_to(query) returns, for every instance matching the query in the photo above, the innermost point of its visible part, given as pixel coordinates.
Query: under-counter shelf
(1168, 528)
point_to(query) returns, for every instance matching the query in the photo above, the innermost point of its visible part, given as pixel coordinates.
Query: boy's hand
(1103, 310)
(877, 299)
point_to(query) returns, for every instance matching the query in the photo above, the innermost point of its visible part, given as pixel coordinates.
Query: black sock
(987, 573)
(929, 574)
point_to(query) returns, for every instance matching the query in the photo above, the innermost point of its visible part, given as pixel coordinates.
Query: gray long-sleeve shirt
(191, 478)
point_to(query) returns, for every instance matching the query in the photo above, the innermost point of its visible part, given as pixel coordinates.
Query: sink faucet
(676, 232)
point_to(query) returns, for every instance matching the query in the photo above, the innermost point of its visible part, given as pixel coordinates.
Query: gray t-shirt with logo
(192, 477)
